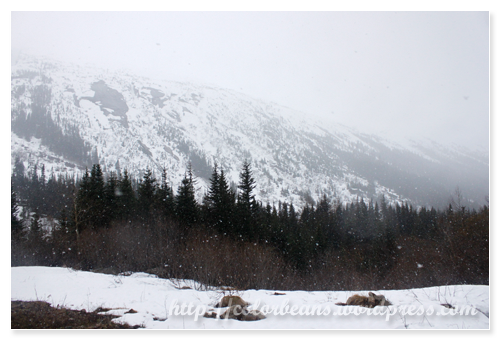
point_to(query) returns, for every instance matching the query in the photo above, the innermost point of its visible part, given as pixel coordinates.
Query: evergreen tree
(19, 180)
(16, 227)
(219, 203)
(212, 195)
(246, 186)
(165, 196)
(225, 204)
(110, 198)
(247, 206)
(82, 205)
(325, 232)
(89, 209)
(96, 183)
(34, 194)
(146, 195)
(186, 207)
(126, 200)
(99, 217)
(278, 237)
(53, 196)
(35, 228)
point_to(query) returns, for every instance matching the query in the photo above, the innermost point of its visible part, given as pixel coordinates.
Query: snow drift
(168, 304)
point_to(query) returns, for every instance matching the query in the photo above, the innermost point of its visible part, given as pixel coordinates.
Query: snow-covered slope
(130, 122)
(160, 304)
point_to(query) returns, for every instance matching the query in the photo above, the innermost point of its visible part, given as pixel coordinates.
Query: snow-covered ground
(162, 304)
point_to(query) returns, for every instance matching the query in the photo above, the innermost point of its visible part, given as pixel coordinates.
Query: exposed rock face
(109, 100)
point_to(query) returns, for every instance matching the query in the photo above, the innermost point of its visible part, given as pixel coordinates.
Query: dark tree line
(101, 220)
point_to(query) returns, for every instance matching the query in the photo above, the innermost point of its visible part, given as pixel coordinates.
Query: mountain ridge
(133, 122)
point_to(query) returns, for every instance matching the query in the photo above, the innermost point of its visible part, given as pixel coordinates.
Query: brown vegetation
(458, 253)
(370, 301)
(231, 300)
(40, 315)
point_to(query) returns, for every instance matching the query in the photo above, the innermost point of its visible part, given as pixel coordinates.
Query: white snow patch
(161, 305)
(96, 117)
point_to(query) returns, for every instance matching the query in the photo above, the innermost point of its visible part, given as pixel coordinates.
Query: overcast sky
(415, 74)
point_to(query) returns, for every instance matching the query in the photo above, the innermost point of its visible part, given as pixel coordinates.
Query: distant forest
(116, 223)
(38, 123)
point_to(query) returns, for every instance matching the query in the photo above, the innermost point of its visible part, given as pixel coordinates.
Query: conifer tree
(96, 183)
(224, 205)
(99, 217)
(213, 191)
(33, 193)
(210, 199)
(146, 195)
(126, 200)
(82, 204)
(165, 196)
(16, 227)
(186, 207)
(246, 186)
(110, 198)
(35, 228)
(18, 175)
(247, 206)
(89, 209)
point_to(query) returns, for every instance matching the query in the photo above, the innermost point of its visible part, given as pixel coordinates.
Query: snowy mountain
(69, 117)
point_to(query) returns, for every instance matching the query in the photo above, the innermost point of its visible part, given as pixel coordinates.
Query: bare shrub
(221, 261)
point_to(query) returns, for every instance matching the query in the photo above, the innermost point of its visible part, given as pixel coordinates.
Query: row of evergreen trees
(99, 202)
(370, 233)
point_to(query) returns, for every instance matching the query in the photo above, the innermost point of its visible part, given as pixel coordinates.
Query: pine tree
(16, 227)
(126, 200)
(246, 186)
(34, 190)
(247, 206)
(225, 204)
(210, 200)
(110, 198)
(35, 228)
(99, 217)
(146, 195)
(165, 196)
(220, 203)
(186, 207)
(96, 182)
(43, 190)
(213, 191)
(81, 206)
(19, 180)
(89, 210)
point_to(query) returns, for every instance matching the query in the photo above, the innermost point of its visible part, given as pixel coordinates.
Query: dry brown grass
(40, 315)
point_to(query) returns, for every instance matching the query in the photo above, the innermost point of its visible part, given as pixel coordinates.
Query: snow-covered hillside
(131, 122)
(161, 304)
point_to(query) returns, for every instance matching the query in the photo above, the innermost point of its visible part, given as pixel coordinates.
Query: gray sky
(416, 74)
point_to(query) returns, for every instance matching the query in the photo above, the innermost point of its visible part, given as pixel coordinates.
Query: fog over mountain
(417, 75)
(69, 116)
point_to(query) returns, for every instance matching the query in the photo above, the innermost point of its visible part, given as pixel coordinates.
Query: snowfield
(168, 304)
